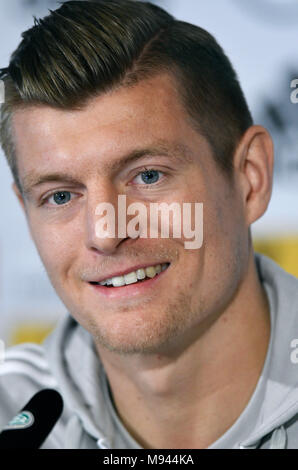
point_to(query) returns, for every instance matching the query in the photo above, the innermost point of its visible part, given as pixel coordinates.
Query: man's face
(75, 154)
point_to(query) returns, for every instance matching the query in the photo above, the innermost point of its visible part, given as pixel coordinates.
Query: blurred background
(260, 38)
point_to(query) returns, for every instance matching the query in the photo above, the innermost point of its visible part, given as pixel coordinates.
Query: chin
(158, 335)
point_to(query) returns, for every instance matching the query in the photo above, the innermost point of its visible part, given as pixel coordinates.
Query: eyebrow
(177, 151)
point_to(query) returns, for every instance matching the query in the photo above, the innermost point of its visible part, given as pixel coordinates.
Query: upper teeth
(134, 276)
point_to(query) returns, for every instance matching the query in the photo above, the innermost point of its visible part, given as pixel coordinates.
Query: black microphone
(30, 427)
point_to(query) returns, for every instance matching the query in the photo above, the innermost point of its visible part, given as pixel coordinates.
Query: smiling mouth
(133, 277)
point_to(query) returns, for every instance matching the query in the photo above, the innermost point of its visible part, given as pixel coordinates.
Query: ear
(19, 196)
(253, 164)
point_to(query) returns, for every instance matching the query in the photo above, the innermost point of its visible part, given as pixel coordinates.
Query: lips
(132, 275)
(124, 292)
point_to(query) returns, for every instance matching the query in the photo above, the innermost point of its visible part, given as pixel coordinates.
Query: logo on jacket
(21, 421)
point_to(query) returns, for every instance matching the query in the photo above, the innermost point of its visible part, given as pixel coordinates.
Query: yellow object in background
(30, 333)
(283, 250)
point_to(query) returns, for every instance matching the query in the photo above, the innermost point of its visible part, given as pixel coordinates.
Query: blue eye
(61, 197)
(149, 176)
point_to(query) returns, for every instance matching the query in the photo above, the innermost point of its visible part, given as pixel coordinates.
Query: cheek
(223, 219)
(220, 242)
(213, 270)
(225, 251)
(55, 246)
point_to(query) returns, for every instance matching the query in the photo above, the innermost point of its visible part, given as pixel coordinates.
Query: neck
(189, 398)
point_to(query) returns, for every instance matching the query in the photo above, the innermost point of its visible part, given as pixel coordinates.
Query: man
(119, 98)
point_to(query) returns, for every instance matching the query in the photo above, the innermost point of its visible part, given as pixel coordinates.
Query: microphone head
(29, 428)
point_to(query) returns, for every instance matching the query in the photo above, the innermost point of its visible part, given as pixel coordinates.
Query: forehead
(110, 125)
(152, 100)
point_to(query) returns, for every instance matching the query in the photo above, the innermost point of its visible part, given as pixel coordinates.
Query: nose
(102, 234)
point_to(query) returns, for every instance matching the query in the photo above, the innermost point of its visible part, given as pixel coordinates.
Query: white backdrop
(260, 37)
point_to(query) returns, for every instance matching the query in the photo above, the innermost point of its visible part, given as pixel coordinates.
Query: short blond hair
(86, 48)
